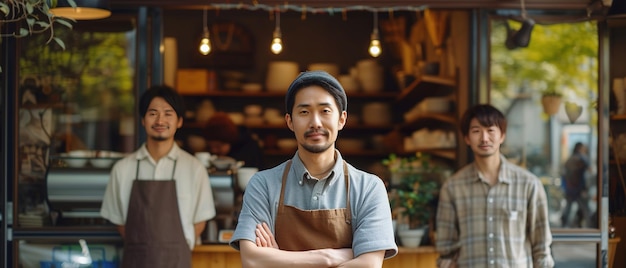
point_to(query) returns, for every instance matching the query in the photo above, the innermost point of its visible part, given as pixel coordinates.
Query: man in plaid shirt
(492, 213)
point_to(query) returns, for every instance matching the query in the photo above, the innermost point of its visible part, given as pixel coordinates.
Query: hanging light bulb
(375, 48)
(205, 43)
(277, 42)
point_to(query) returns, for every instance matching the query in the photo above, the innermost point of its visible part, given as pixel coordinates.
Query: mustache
(315, 131)
(160, 126)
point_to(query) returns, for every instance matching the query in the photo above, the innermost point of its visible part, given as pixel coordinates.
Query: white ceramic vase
(411, 238)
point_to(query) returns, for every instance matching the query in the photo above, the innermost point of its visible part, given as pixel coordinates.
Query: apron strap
(282, 187)
(347, 179)
(137, 172)
(174, 168)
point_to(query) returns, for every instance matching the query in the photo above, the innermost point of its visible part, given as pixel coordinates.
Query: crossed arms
(265, 252)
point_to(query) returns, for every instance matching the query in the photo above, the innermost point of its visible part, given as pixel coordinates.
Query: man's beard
(316, 149)
(158, 138)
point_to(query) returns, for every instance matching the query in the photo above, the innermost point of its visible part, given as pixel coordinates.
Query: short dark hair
(577, 147)
(486, 115)
(167, 93)
(318, 78)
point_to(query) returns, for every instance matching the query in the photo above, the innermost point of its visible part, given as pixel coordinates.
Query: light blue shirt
(371, 214)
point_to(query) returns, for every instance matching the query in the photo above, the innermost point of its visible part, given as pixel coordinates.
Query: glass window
(548, 91)
(574, 255)
(74, 104)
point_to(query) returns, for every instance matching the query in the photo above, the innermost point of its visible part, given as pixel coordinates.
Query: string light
(375, 48)
(205, 43)
(277, 42)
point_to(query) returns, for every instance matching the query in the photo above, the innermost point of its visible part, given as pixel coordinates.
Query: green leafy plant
(33, 17)
(416, 193)
(551, 92)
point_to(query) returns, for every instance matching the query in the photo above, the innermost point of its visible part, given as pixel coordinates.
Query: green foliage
(551, 92)
(561, 59)
(33, 17)
(94, 71)
(417, 191)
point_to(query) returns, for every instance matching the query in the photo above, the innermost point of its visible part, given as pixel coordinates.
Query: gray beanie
(319, 78)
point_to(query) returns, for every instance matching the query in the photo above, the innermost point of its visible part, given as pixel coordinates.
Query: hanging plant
(33, 17)
(551, 101)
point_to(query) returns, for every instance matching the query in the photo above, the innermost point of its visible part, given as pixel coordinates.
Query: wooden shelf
(430, 121)
(360, 153)
(447, 153)
(618, 117)
(278, 94)
(193, 124)
(423, 87)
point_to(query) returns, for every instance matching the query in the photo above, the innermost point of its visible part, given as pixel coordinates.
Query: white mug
(244, 174)
(205, 158)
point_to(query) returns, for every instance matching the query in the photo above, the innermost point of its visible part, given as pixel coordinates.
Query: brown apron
(154, 234)
(299, 230)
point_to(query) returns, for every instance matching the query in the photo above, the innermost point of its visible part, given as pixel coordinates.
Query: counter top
(214, 248)
(224, 256)
(228, 249)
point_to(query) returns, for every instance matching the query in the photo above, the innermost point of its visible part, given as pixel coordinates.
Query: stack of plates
(32, 219)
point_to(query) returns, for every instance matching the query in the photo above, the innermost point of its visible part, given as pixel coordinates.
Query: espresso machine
(75, 194)
(227, 197)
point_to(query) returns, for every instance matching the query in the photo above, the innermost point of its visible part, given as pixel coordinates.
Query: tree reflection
(561, 59)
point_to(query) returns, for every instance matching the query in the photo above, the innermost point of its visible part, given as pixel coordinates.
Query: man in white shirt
(159, 196)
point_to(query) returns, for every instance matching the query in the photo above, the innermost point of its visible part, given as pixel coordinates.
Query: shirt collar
(502, 172)
(504, 167)
(143, 153)
(302, 173)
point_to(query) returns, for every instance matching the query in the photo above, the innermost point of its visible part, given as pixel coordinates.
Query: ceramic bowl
(105, 159)
(77, 158)
(101, 162)
(223, 162)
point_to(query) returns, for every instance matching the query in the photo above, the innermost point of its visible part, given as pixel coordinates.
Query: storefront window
(560, 63)
(75, 104)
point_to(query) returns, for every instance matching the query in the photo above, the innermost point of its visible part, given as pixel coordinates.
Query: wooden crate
(195, 81)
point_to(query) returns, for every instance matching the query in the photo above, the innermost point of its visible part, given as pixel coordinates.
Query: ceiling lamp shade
(84, 9)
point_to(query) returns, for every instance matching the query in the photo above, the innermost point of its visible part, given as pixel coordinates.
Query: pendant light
(375, 48)
(205, 43)
(82, 9)
(277, 42)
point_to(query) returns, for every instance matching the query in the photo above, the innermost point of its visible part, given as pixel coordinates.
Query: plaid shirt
(504, 225)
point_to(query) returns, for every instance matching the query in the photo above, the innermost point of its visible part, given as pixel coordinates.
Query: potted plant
(551, 101)
(413, 198)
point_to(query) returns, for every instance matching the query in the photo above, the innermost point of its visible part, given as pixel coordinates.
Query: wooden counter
(223, 256)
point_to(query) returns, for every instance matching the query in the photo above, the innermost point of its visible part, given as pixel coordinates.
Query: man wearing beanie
(315, 210)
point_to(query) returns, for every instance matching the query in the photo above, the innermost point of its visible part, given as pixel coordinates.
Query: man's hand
(264, 237)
